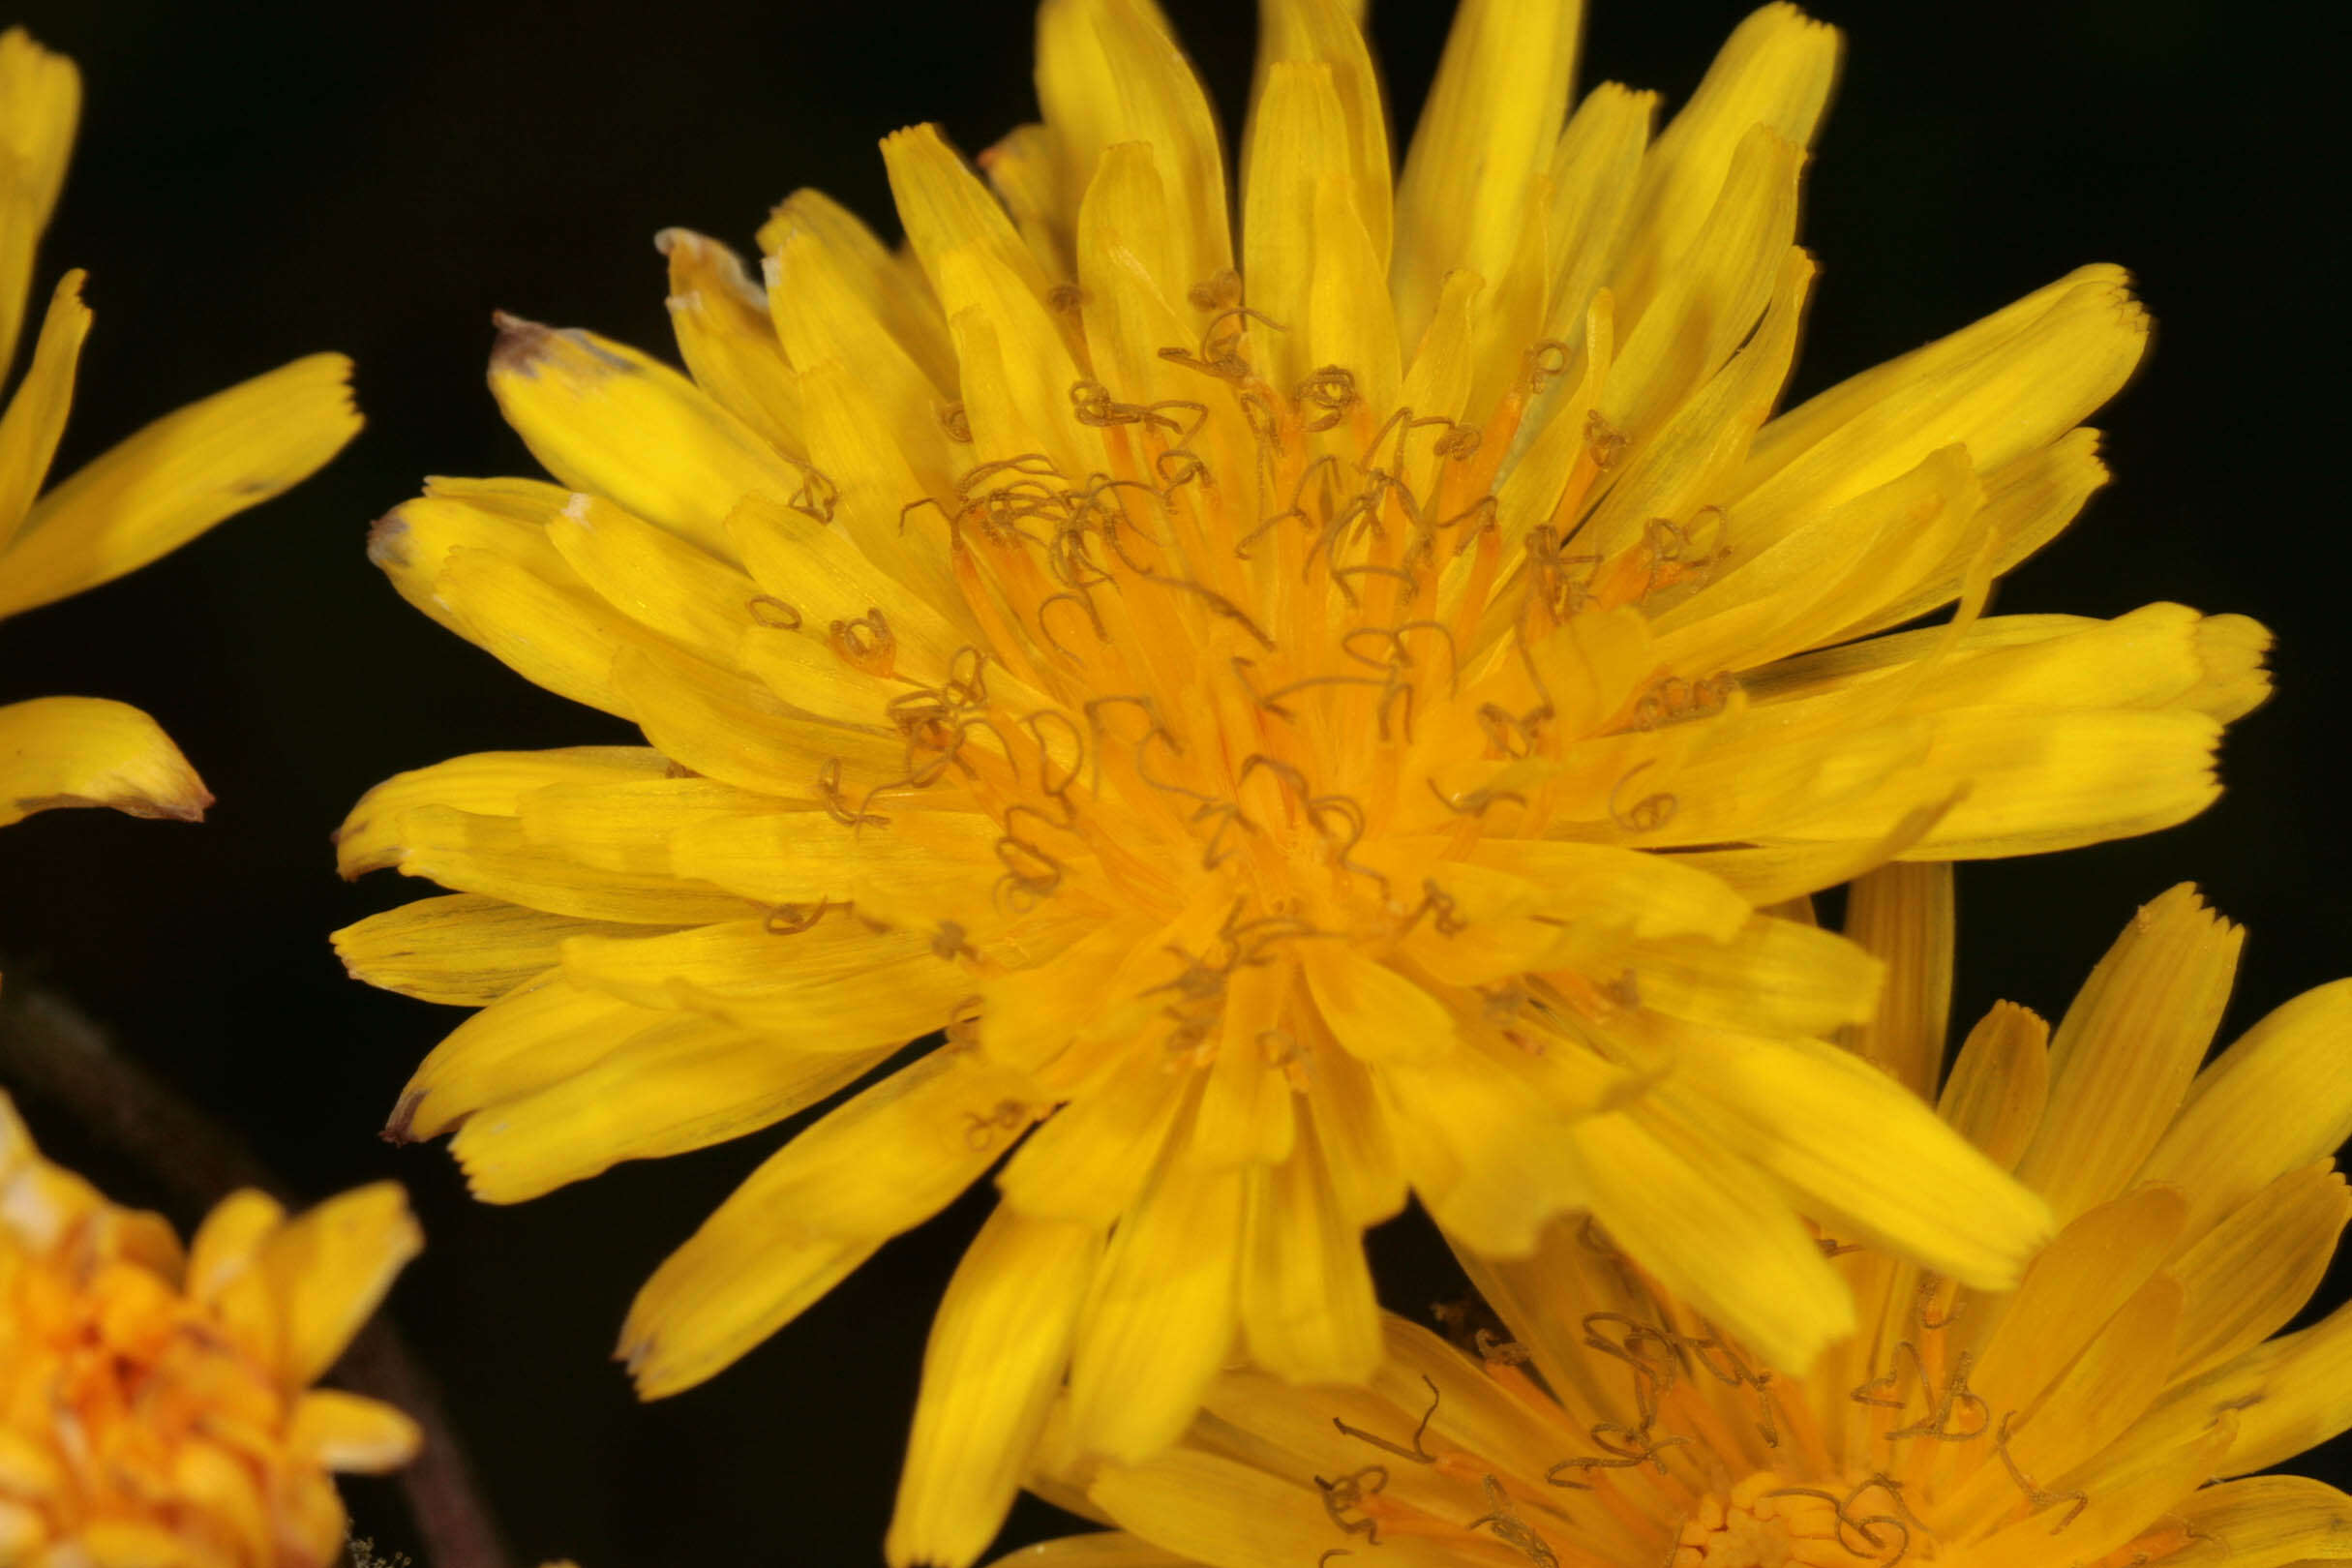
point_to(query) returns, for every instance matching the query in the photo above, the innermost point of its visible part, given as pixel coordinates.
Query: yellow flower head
(2075, 1420)
(147, 496)
(1311, 724)
(156, 1407)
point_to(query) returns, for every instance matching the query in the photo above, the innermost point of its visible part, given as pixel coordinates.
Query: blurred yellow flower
(2074, 1421)
(1313, 723)
(156, 1407)
(147, 496)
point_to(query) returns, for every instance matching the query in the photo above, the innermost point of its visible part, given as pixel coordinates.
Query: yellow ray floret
(1346, 710)
(2111, 1410)
(149, 494)
(156, 1406)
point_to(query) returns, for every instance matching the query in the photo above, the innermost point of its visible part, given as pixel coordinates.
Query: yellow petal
(39, 102)
(490, 783)
(1492, 115)
(727, 338)
(1772, 975)
(1375, 1012)
(887, 292)
(37, 413)
(488, 856)
(2256, 1269)
(183, 474)
(666, 585)
(2277, 1099)
(343, 1432)
(890, 1158)
(2009, 385)
(605, 418)
(413, 542)
(464, 950)
(1298, 142)
(1091, 1160)
(1160, 1319)
(1109, 73)
(329, 1267)
(838, 985)
(946, 209)
(2271, 1520)
(230, 1239)
(803, 859)
(538, 1034)
(1903, 915)
(2079, 1282)
(1322, 31)
(683, 1082)
(86, 751)
(732, 728)
(1860, 1151)
(2000, 1083)
(1775, 71)
(2124, 1052)
(1592, 174)
(1664, 1193)
(989, 1376)
(628, 825)
(1308, 1313)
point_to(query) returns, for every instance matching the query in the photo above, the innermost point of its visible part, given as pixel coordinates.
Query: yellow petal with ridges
(86, 751)
(537, 1035)
(464, 950)
(1998, 1083)
(673, 589)
(990, 1372)
(2271, 1520)
(330, 1266)
(37, 412)
(1492, 117)
(1322, 31)
(727, 338)
(685, 1082)
(1160, 1319)
(605, 418)
(1700, 1236)
(488, 856)
(1308, 1313)
(1774, 71)
(1903, 915)
(2276, 1099)
(890, 1158)
(2256, 1268)
(488, 783)
(40, 103)
(2125, 1053)
(626, 825)
(897, 301)
(1109, 73)
(350, 1433)
(190, 469)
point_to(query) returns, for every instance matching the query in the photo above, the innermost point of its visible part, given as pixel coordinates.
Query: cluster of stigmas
(1685, 1450)
(1279, 659)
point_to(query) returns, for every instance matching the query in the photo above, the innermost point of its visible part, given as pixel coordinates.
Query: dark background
(258, 182)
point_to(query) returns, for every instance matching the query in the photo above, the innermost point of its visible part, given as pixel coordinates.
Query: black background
(258, 182)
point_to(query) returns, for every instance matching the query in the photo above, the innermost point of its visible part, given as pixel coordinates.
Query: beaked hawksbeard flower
(156, 1407)
(147, 496)
(1311, 724)
(2075, 1420)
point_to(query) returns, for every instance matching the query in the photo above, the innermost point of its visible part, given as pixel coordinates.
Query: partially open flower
(2076, 1420)
(156, 1407)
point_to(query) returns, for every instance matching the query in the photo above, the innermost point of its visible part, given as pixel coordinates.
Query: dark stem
(51, 1053)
